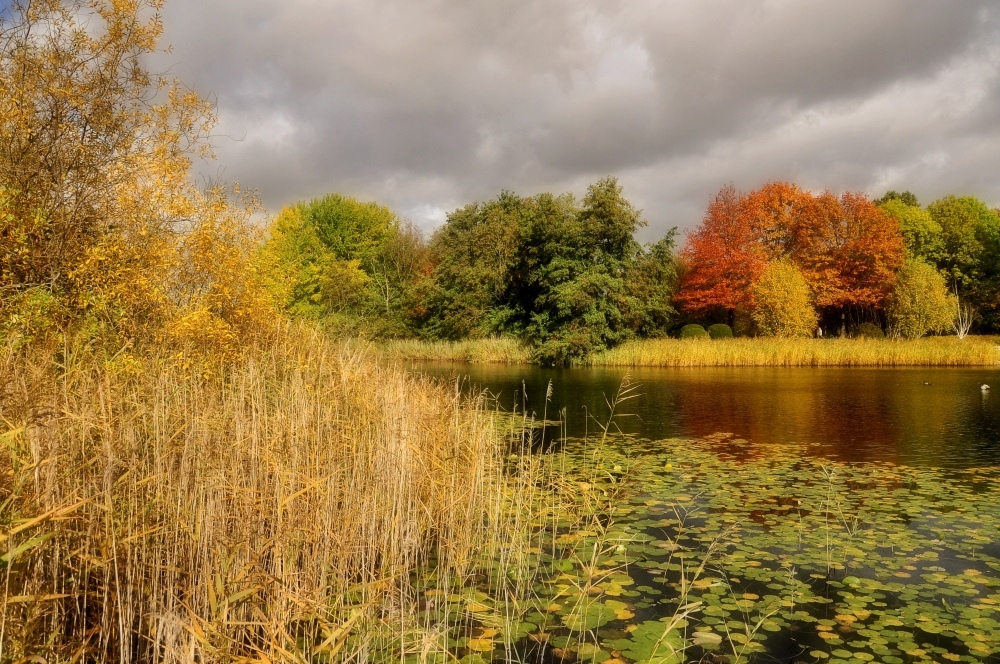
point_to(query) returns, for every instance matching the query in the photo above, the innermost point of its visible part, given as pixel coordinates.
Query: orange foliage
(848, 249)
(724, 256)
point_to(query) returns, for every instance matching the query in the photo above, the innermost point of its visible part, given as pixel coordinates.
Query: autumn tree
(782, 302)
(920, 302)
(723, 258)
(98, 213)
(848, 250)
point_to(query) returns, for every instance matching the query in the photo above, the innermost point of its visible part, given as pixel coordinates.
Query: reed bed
(284, 511)
(769, 352)
(495, 350)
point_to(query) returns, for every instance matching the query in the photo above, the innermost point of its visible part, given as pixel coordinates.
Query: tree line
(568, 277)
(104, 235)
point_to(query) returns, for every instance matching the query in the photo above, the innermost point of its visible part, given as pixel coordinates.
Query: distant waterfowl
(984, 387)
(926, 383)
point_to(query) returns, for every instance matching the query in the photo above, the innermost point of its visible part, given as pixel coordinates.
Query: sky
(426, 105)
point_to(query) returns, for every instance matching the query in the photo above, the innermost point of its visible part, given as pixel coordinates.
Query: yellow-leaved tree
(102, 229)
(782, 302)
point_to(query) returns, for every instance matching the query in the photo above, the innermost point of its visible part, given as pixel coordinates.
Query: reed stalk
(283, 510)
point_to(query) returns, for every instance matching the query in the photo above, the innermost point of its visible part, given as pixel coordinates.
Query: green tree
(969, 234)
(474, 253)
(580, 276)
(651, 282)
(906, 198)
(970, 254)
(921, 233)
(782, 302)
(920, 302)
(348, 263)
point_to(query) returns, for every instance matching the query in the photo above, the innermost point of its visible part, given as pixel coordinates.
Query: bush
(720, 331)
(920, 302)
(869, 331)
(693, 332)
(782, 302)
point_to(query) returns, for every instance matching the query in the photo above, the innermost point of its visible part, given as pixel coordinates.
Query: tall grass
(280, 512)
(742, 352)
(770, 352)
(496, 350)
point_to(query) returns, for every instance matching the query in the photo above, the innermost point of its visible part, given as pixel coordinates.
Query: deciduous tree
(920, 302)
(848, 250)
(782, 302)
(723, 257)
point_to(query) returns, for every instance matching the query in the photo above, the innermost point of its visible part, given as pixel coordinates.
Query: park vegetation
(567, 280)
(194, 467)
(185, 473)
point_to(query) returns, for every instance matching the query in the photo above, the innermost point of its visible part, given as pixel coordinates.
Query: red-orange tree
(724, 257)
(849, 250)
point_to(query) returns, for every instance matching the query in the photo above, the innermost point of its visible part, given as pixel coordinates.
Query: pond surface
(752, 515)
(912, 416)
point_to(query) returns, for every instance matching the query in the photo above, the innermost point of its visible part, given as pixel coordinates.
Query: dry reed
(771, 352)
(280, 512)
(496, 350)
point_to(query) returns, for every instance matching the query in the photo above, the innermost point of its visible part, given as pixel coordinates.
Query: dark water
(853, 414)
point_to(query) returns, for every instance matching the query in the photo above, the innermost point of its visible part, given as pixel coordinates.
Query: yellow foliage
(782, 302)
(97, 206)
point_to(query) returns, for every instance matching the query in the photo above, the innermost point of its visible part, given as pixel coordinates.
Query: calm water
(854, 414)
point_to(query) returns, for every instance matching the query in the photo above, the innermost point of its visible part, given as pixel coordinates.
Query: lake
(799, 515)
(913, 416)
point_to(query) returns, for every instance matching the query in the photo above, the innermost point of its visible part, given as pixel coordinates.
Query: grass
(279, 512)
(495, 350)
(742, 352)
(769, 352)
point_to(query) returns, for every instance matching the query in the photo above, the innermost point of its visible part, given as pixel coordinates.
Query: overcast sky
(425, 105)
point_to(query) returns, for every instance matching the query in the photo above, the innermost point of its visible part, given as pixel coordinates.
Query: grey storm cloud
(425, 105)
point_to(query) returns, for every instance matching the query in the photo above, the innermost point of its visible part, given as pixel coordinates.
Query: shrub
(782, 302)
(920, 302)
(720, 331)
(869, 331)
(693, 332)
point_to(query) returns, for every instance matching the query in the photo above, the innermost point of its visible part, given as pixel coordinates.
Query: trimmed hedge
(720, 331)
(693, 332)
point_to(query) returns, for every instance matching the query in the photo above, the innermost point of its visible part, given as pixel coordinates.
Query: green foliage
(580, 277)
(868, 330)
(693, 331)
(782, 302)
(567, 277)
(970, 233)
(970, 255)
(720, 331)
(905, 198)
(651, 281)
(921, 232)
(920, 303)
(474, 255)
(350, 264)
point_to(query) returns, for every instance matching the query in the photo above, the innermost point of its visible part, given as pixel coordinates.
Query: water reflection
(929, 417)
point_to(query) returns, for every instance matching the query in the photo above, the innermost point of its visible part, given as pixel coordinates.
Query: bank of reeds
(740, 352)
(496, 350)
(772, 352)
(278, 512)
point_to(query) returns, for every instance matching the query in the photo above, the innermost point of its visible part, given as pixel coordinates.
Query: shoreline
(981, 351)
